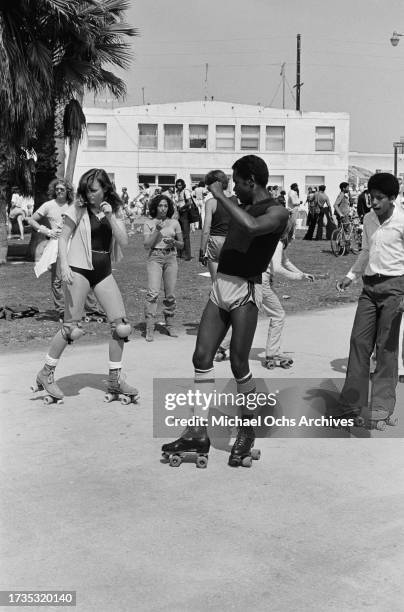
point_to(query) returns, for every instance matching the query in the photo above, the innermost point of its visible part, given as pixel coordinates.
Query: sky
(347, 62)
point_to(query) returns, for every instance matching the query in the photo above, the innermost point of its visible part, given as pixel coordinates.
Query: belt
(376, 278)
(165, 250)
(104, 252)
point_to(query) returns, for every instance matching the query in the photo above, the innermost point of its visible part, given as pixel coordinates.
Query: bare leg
(109, 296)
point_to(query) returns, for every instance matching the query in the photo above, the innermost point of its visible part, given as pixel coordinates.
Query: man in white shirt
(378, 316)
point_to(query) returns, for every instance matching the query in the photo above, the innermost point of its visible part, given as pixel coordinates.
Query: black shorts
(102, 268)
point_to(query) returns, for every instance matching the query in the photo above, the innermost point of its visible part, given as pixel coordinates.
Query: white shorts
(230, 292)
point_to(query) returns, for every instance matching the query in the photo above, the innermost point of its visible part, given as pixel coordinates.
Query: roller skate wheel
(392, 421)
(48, 399)
(108, 397)
(359, 421)
(286, 365)
(269, 365)
(34, 388)
(87, 319)
(255, 454)
(381, 425)
(175, 460)
(165, 456)
(246, 462)
(100, 320)
(125, 399)
(201, 462)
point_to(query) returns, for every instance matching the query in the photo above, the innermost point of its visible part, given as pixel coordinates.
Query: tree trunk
(59, 139)
(73, 148)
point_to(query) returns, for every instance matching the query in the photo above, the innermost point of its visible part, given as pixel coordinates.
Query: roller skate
(277, 361)
(97, 317)
(242, 452)
(221, 354)
(118, 389)
(45, 381)
(349, 414)
(149, 332)
(193, 443)
(170, 328)
(380, 419)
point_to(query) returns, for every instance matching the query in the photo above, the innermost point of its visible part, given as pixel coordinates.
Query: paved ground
(87, 505)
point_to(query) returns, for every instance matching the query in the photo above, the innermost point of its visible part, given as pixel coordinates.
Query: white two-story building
(159, 143)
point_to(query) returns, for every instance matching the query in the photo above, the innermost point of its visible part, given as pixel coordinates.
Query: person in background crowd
(342, 206)
(271, 305)
(3, 226)
(364, 204)
(282, 198)
(162, 236)
(125, 196)
(16, 212)
(294, 201)
(200, 193)
(182, 200)
(313, 212)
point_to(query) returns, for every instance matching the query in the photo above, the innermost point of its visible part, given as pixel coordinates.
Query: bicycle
(347, 238)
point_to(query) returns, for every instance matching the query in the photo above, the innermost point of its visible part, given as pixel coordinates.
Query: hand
(159, 225)
(216, 189)
(66, 275)
(169, 242)
(106, 209)
(308, 277)
(54, 233)
(344, 284)
(202, 258)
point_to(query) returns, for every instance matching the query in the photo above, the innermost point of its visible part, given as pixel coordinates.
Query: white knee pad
(72, 330)
(120, 329)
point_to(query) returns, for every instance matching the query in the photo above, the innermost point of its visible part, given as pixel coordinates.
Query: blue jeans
(161, 266)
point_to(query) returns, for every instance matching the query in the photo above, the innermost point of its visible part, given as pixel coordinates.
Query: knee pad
(72, 331)
(151, 297)
(120, 329)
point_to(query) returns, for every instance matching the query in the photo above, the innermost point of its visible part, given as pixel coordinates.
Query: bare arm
(210, 209)
(272, 221)
(67, 231)
(41, 229)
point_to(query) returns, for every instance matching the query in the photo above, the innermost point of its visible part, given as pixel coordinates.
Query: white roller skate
(119, 389)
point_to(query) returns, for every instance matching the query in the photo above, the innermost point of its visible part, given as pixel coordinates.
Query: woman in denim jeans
(162, 235)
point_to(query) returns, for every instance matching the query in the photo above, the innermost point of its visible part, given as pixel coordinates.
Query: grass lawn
(19, 285)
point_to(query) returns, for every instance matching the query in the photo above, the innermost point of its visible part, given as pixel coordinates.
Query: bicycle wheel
(337, 242)
(355, 242)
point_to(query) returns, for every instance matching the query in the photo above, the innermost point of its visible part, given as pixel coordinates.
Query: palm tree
(98, 40)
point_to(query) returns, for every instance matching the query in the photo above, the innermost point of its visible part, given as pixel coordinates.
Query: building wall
(125, 161)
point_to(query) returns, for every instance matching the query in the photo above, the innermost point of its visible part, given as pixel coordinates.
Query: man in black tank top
(254, 232)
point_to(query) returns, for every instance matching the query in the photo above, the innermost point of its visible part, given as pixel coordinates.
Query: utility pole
(283, 75)
(143, 95)
(206, 80)
(298, 83)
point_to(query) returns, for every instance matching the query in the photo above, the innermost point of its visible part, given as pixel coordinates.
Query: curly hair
(66, 184)
(252, 166)
(156, 201)
(110, 194)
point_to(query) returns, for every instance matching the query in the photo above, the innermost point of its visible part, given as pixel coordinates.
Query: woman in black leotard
(95, 228)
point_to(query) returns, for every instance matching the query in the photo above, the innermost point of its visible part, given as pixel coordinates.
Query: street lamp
(395, 38)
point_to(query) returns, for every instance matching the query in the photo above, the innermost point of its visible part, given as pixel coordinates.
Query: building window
(198, 136)
(325, 138)
(166, 180)
(276, 180)
(147, 135)
(97, 135)
(250, 138)
(225, 137)
(314, 181)
(172, 137)
(275, 138)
